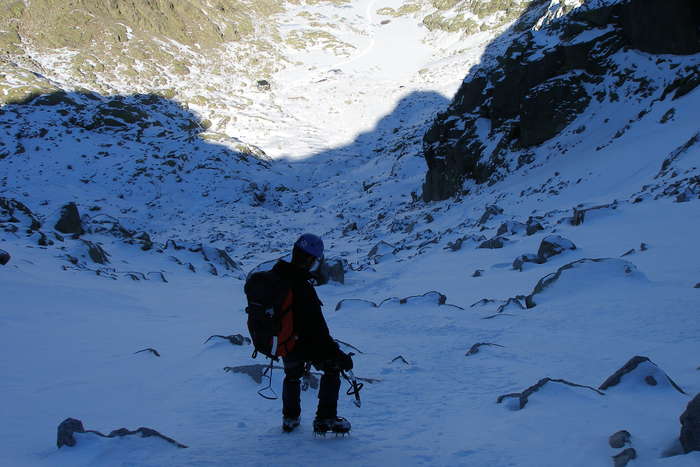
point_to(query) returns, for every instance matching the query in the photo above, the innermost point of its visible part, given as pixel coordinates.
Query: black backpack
(270, 314)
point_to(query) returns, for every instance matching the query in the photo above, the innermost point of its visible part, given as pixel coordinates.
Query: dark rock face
(690, 426)
(69, 223)
(4, 257)
(532, 92)
(662, 26)
(550, 107)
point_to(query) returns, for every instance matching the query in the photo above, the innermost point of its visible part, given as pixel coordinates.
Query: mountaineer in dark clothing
(314, 344)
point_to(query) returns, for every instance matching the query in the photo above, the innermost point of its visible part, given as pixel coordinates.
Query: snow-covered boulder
(553, 245)
(690, 426)
(580, 275)
(639, 372)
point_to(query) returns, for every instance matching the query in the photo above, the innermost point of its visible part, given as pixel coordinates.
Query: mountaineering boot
(337, 425)
(288, 424)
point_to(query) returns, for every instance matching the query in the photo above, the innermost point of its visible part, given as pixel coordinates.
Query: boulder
(690, 426)
(69, 222)
(512, 228)
(553, 245)
(494, 243)
(529, 258)
(622, 459)
(618, 439)
(639, 371)
(4, 257)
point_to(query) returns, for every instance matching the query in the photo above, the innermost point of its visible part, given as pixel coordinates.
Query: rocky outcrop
(690, 426)
(70, 426)
(543, 82)
(69, 222)
(4, 257)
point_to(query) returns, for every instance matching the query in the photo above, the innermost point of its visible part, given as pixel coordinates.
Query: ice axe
(354, 387)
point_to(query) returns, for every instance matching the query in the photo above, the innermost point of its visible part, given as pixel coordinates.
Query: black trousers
(327, 392)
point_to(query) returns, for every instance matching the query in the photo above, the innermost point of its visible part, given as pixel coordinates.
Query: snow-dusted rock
(553, 245)
(494, 243)
(519, 400)
(332, 269)
(622, 459)
(69, 222)
(512, 228)
(15, 212)
(639, 372)
(582, 274)
(490, 211)
(96, 252)
(690, 426)
(520, 261)
(349, 304)
(68, 427)
(618, 439)
(4, 257)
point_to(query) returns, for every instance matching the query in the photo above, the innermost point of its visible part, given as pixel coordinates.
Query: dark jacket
(315, 342)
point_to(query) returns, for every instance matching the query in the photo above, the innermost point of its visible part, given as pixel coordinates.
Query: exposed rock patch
(475, 348)
(234, 339)
(4, 257)
(69, 222)
(618, 439)
(623, 458)
(70, 426)
(523, 397)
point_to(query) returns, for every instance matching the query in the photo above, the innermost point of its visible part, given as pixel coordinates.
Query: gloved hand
(345, 360)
